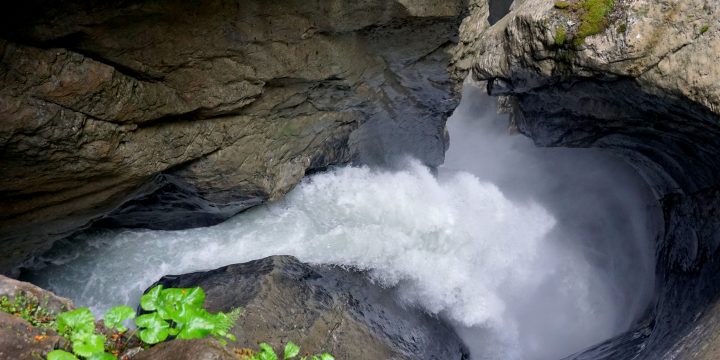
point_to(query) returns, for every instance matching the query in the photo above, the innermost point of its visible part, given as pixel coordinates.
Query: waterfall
(531, 253)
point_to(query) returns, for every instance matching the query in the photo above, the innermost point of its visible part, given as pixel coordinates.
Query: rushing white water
(519, 280)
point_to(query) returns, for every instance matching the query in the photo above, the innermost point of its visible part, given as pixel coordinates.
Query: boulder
(21, 341)
(320, 308)
(18, 338)
(12, 288)
(200, 349)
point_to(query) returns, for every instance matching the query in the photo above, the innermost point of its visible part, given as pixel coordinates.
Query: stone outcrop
(198, 110)
(11, 288)
(646, 88)
(18, 338)
(21, 341)
(321, 308)
(204, 349)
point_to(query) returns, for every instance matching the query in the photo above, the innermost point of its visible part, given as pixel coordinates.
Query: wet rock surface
(18, 338)
(12, 288)
(322, 309)
(233, 102)
(643, 89)
(21, 341)
(205, 349)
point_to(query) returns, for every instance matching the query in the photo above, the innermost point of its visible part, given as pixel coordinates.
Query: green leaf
(115, 317)
(291, 350)
(149, 301)
(87, 344)
(267, 352)
(227, 321)
(178, 304)
(181, 313)
(326, 356)
(60, 355)
(78, 320)
(194, 296)
(102, 356)
(197, 327)
(153, 328)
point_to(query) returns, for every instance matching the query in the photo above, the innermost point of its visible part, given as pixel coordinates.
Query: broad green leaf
(78, 320)
(102, 356)
(177, 304)
(197, 327)
(194, 296)
(149, 301)
(181, 313)
(153, 328)
(168, 304)
(114, 317)
(87, 344)
(60, 355)
(291, 350)
(267, 352)
(326, 356)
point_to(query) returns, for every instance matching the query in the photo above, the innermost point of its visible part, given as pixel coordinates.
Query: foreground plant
(291, 351)
(172, 312)
(181, 313)
(79, 327)
(30, 309)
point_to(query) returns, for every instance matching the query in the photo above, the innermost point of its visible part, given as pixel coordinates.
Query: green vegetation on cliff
(560, 35)
(29, 309)
(593, 16)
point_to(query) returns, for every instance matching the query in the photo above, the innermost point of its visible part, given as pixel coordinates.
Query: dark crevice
(73, 43)
(498, 10)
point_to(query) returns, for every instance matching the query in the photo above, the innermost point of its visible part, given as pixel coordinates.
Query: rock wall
(196, 110)
(645, 88)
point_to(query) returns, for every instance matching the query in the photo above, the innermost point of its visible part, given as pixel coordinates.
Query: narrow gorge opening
(532, 253)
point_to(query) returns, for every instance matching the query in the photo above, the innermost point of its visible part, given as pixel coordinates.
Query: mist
(603, 212)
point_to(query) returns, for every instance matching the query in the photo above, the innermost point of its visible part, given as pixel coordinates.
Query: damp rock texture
(171, 114)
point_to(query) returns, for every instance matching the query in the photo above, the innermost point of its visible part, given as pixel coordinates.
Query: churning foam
(452, 245)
